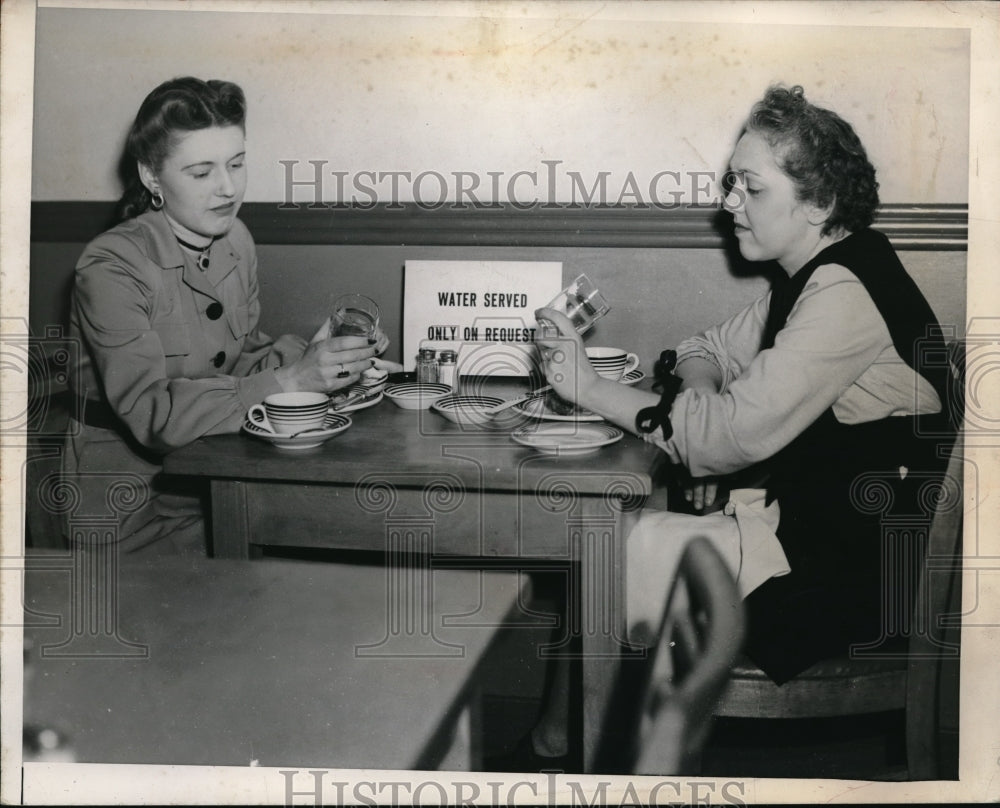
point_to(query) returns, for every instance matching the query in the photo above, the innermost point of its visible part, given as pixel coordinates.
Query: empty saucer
(567, 439)
(333, 425)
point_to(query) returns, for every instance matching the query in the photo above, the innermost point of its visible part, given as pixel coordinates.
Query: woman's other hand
(386, 365)
(328, 364)
(701, 493)
(564, 359)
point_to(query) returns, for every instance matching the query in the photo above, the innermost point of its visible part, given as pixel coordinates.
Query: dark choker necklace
(202, 251)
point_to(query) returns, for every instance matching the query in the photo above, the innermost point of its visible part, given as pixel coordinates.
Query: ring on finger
(343, 373)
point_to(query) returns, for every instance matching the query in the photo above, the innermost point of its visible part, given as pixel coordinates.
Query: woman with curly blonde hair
(811, 389)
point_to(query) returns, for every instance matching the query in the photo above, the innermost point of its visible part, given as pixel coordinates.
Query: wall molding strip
(909, 227)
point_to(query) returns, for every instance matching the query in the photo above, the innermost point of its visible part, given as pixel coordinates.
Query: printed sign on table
(483, 310)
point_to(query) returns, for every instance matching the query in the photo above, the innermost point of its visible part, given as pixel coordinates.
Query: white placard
(484, 310)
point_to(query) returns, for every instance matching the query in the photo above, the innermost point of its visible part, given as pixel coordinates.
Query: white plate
(567, 440)
(633, 377)
(467, 410)
(358, 405)
(335, 424)
(416, 395)
(538, 408)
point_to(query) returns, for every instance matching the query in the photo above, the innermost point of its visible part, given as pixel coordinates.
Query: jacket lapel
(167, 253)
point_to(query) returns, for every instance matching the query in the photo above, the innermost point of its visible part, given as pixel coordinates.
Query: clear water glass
(581, 302)
(355, 316)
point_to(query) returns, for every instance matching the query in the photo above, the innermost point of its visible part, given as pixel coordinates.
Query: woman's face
(771, 224)
(203, 179)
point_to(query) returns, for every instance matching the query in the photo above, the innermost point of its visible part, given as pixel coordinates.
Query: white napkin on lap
(742, 532)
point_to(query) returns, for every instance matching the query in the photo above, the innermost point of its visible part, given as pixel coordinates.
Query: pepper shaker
(427, 366)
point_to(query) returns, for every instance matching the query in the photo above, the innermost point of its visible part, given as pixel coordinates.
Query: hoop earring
(156, 200)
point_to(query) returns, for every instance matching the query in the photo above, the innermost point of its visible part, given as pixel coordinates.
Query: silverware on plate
(356, 398)
(514, 401)
(323, 428)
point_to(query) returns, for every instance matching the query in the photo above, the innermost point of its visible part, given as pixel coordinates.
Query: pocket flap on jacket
(238, 318)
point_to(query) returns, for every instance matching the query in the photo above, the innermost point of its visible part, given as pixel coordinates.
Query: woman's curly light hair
(821, 153)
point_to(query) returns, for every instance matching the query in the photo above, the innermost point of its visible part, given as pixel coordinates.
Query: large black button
(220, 359)
(214, 311)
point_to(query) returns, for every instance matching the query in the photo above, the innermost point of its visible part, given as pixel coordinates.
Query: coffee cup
(288, 413)
(612, 363)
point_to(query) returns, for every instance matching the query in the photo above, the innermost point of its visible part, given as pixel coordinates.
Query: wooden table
(415, 486)
(223, 662)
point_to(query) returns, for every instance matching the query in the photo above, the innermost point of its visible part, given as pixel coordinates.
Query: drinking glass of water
(581, 302)
(355, 316)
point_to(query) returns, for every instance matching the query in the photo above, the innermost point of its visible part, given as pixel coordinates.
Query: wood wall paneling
(909, 227)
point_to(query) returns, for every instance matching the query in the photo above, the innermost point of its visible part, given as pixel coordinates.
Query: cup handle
(633, 363)
(257, 416)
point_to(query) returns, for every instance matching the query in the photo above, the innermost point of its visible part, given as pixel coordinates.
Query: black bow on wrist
(648, 419)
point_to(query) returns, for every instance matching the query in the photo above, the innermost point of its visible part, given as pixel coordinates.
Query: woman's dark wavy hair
(175, 107)
(822, 154)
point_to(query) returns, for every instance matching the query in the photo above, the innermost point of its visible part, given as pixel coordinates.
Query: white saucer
(567, 440)
(633, 377)
(537, 408)
(335, 424)
(358, 405)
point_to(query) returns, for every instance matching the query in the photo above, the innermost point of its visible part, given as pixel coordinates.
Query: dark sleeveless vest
(839, 486)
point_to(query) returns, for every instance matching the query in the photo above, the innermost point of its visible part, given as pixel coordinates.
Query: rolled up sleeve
(732, 345)
(832, 335)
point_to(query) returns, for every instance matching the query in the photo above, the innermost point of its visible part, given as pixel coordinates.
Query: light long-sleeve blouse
(834, 350)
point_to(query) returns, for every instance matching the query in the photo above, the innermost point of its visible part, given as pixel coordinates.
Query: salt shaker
(427, 366)
(447, 367)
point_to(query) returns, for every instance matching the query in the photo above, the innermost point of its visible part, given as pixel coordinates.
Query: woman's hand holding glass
(564, 360)
(328, 364)
(333, 363)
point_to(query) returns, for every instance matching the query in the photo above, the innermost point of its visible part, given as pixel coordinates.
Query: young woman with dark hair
(165, 307)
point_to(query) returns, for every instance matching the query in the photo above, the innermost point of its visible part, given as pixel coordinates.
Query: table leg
(596, 602)
(230, 523)
(601, 626)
